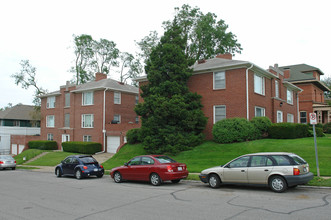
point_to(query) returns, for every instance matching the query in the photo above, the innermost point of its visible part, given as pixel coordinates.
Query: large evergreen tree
(172, 119)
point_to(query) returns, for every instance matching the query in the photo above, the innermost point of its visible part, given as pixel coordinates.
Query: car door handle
(266, 170)
(243, 171)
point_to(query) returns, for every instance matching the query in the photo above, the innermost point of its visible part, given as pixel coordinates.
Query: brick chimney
(100, 76)
(227, 56)
(287, 73)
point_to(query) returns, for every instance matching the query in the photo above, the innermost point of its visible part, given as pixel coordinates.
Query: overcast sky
(286, 32)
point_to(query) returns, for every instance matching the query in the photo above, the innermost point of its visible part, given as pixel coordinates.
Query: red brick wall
(22, 140)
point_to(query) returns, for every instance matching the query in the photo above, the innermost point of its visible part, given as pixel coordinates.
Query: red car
(153, 168)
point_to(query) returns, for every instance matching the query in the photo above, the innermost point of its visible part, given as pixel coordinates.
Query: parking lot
(40, 195)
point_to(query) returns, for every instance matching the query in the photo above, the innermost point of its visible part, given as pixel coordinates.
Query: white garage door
(14, 149)
(113, 142)
(20, 148)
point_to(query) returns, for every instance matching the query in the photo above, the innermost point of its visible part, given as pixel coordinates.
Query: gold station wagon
(278, 170)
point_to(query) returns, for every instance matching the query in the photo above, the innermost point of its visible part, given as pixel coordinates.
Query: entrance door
(113, 142)
(65, 138)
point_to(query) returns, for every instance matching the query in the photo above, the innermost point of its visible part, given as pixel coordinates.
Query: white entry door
(65, 138)
(113, 142)
(279, 116)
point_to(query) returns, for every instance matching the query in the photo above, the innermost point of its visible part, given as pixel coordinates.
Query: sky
(281, 31)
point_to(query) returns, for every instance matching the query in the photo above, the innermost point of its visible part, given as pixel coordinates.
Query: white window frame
(87, 138)
(259, 84)
(117, 98)
(86, 100)
(214, 113)
(137, 120)
(222, 78)
(50, 118)
(50, 102)
(50, 137)
(290, 118)
(262, 111)
(84, 121)
(119, 118)
(279, 119)
(289, 96)
(137, 99)
(276, 89)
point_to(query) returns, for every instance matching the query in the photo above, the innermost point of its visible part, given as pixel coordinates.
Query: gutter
(247, 96)
(298, 105)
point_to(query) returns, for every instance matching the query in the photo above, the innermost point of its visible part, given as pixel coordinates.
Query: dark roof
(18, 112)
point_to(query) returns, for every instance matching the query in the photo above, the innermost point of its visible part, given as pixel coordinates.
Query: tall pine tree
(172, 119)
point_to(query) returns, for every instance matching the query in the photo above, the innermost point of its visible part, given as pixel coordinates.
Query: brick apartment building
(233, 88)
(99, 111)
(311, 98)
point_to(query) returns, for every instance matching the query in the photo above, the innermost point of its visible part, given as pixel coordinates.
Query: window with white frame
(50, 121)
(279, 116)
(117, 118)
(50, 102)
(87, 121)
(67, 120)
(117, 98)
(137, 119)
(290, 118)
(259, 84)
(137, 99)
(87, 138)
(219, 112)
(87, 98)
(289, 96)
(303, 117)
(276, 89)
(67, 99)
(49, 137)
(219, 80)
(259, 111)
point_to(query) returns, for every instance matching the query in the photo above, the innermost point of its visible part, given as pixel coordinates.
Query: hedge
(133, 136)
(81, 147)
(262, 124)
(327, 128)
(288, 131)
(43, 145)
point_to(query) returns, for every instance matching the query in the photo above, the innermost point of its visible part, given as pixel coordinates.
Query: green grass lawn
(28, 154)
(50, 159)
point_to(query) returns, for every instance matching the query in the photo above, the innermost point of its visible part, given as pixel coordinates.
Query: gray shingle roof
(215, 63)
(300, 71)
(18, 112)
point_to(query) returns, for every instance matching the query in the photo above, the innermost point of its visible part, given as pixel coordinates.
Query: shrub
(288, 131)
(133, 136)
(327, 128)
(319, 132)
(43, 145)
(234, 130)
(81, 147)
(262, 124)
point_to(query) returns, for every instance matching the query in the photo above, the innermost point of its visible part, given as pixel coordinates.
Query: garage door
(113, 142)
(14, 149)
(20, 148)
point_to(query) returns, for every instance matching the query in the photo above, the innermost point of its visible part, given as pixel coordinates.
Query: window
(241, 162)
(49, 137)
(67, 120)
(67, 99)
(303, 117)
(260, 161)
(219, 80)
(147, 161)
(135, 161)
(290, 118)
(50, 121)
(281, 160)
(259, 111)
(117, 118)
(16, 123)
(259, 84)
(87, 138)
(289, 96)
(219, 113)
(279, 116)
(137, 99)
(87, 121)
(87, 98)
(276, 89)
(137, 119)
(50, 102)
(117, 98)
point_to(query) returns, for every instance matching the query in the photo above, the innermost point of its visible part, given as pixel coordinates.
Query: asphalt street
(26, 194)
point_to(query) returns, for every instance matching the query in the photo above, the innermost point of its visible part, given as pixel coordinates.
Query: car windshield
(165, 159)
(298, 160)
(6, 157)
(86, 160)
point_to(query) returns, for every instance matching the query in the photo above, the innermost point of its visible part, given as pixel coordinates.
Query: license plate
(95, 169)
(180, 168)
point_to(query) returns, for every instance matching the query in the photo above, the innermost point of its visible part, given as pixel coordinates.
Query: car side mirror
(62, 161)
(126, 164)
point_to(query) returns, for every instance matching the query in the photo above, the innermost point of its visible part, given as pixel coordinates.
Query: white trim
(119, 98)
(222, 80)
(83, 95)
(47, 125)
(263, 111)
(214, 111)
(281, 117)
(83, 121)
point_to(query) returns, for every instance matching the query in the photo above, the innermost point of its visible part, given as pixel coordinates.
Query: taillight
(169, 168)
(85, 167)
(101, 166)
(296, 171)
(15, 161)
(1, 162)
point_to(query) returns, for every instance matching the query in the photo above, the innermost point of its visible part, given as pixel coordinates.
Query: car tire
(117, 177)
(277, 184)
(175, 181)
(155, 179)
(13, 168)
(214, 181)
(78, 174)
(58, 172)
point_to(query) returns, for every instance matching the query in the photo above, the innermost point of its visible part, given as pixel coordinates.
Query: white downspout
(247, 96)
(104, 120)
(298, 106)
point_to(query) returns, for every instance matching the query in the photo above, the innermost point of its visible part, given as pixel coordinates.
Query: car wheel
(155, 179)
(78, 174)
(117, 177)
(277, 184)
(214, 181)
(58, 172)
(175, 181)
(13, 168)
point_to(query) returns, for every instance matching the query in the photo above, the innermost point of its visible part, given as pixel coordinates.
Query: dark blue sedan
(79, 166)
